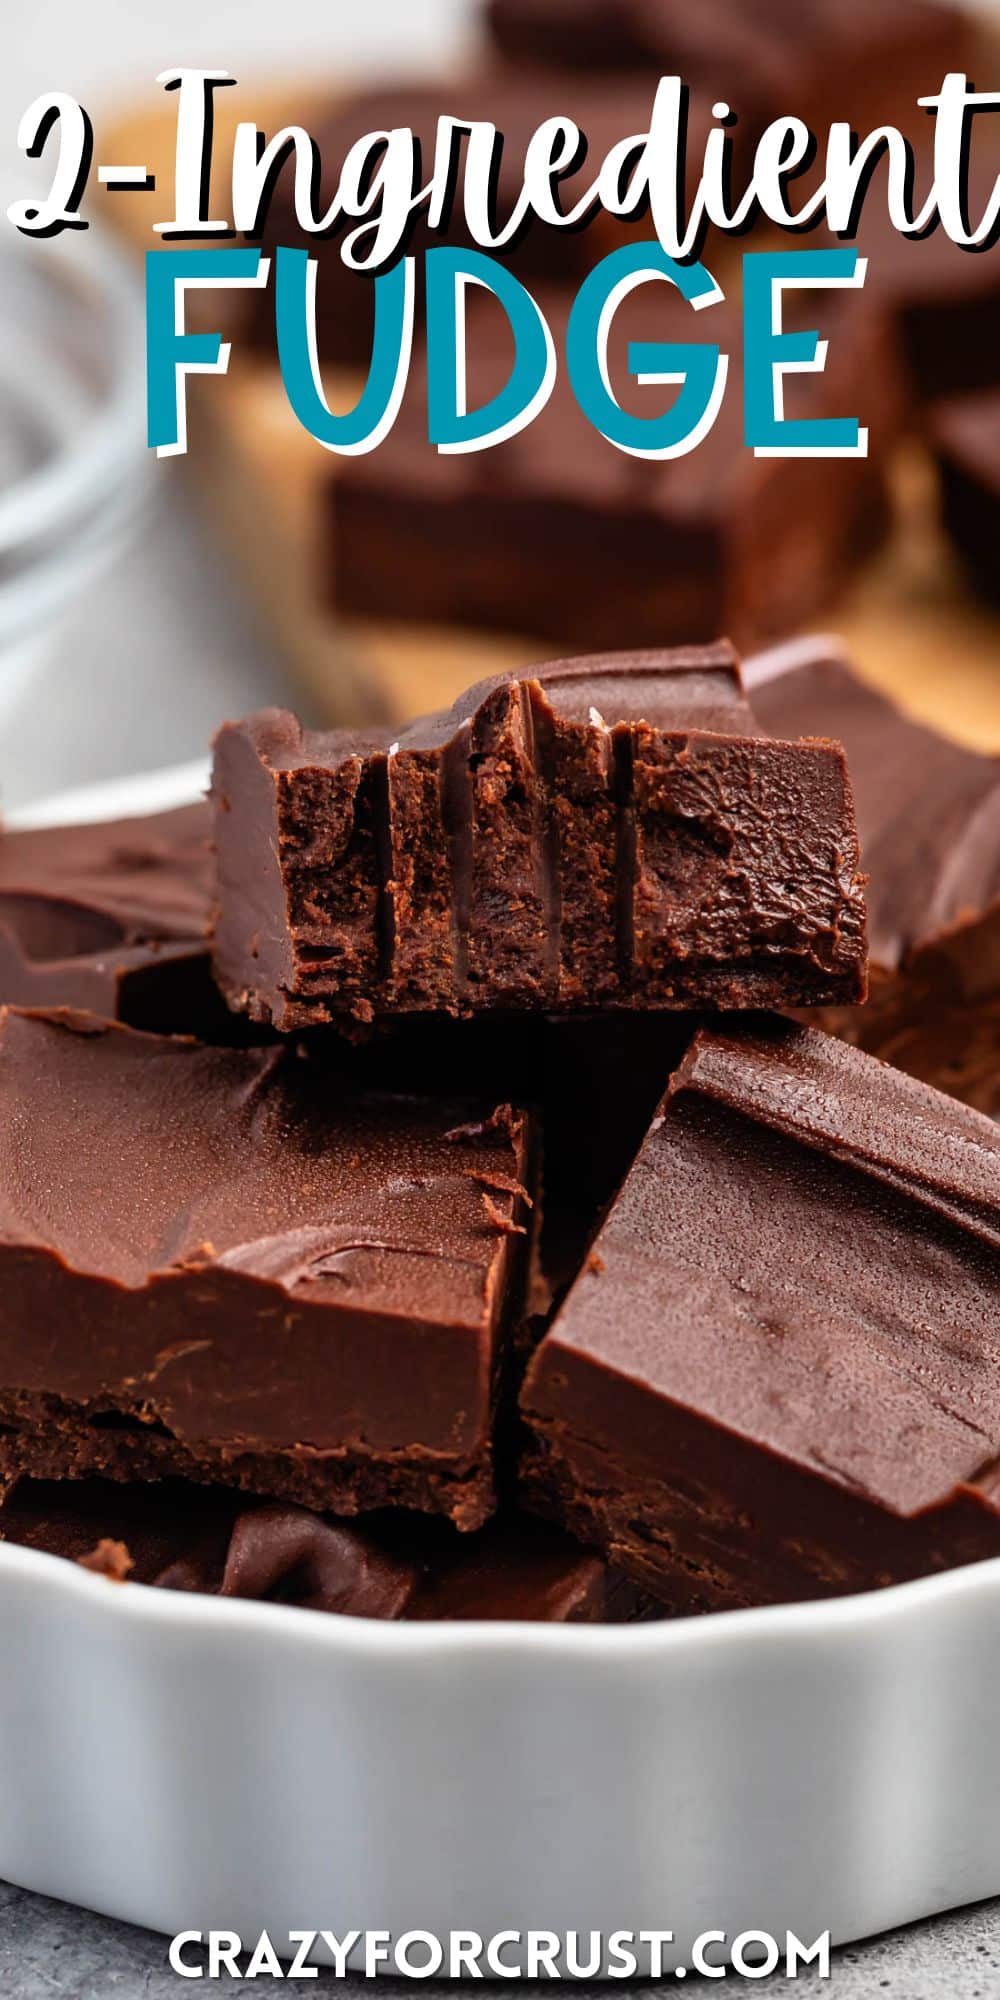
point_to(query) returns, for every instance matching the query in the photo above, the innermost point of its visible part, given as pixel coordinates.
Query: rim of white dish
(183, 784)
(815, 1618)
(117, 798)
(97, 455)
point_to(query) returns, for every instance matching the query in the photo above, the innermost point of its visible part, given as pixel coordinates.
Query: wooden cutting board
(910, 621)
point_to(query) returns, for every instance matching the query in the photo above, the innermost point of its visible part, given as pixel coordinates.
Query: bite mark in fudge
(177, 1537)
(779, 1378)
(929, 821)
(112, 917)
(609, 832)
(556, 534)
(964, 435)
(228, 1264)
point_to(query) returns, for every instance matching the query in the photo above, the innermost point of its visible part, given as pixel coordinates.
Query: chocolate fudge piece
(177, 1537)
(965, 439)
(516, 105)
(779, 1374)
(818, 59)
(224, 1263)
(582, 1074)
(112, 917)
(929, 820)
(610, 832)
(557, 534)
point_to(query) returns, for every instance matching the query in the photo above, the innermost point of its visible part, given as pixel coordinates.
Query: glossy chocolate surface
(608, 832)
(228, 1263)
(778, 1376)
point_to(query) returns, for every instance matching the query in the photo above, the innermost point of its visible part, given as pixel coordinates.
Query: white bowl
(198, 1763)
(73, 463)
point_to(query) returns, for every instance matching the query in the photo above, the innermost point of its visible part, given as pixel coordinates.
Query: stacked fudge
(501, 1238)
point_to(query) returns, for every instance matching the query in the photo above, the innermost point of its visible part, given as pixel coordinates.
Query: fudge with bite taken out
(610, 832)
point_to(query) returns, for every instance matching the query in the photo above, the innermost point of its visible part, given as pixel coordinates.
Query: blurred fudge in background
(516, 103)
(556, 533)
(818, 59)
(964, 434)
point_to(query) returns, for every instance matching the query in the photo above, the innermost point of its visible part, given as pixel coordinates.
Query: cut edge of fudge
(608, 832)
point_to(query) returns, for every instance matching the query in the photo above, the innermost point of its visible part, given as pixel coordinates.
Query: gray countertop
(145, 665)
(51, 1952)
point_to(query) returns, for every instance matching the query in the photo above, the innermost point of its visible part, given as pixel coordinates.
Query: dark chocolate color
(779, 1374)
(945, 300)
(593, 1080)
(557, 534)
(226, 1263)
(818, 59)
(965, 438)
(112, 917)
(929, 820)
(609, 832)
(177, 1537)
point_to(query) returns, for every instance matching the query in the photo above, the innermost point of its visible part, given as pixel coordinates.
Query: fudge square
(220, 1263)
(556, 534)
(778, 1376)
(929, 820)
(607, 832)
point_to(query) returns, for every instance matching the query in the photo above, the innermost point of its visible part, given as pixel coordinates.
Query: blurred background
(135, 607)
(135, 670)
